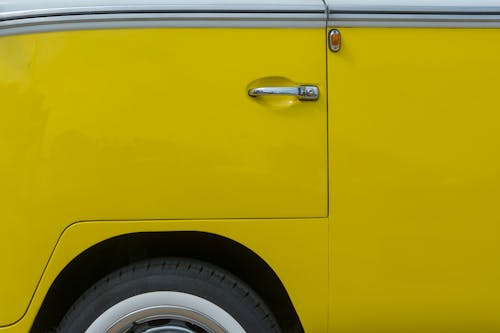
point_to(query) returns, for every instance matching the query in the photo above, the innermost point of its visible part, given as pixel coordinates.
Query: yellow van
(249, 166)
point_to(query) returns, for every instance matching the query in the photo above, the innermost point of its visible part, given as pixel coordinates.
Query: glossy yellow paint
(152, 124)
(304, 249)
(415, 231)
(92, 128)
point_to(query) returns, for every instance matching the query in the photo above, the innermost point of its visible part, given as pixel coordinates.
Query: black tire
(172, 287)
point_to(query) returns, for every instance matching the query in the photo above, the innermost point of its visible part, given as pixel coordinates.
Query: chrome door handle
(304, 93)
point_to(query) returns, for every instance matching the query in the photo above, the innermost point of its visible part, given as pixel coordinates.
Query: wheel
(169, 296)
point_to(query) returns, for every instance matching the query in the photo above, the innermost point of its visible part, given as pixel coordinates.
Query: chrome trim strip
(413, 20)
(159, 20)
(419, 10)
(31, 16)
(415, 6)
(414, 13)
(24, 8)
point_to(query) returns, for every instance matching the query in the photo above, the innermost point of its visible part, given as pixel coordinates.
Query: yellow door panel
(416, 180)
(152, 124)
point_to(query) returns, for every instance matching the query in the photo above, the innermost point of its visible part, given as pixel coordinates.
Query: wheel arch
(108, 255)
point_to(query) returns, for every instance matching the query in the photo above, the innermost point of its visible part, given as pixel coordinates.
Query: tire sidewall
(229, 297)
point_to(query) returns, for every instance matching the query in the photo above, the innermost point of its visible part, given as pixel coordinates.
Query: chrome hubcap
(166, 319)
(171, 326)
